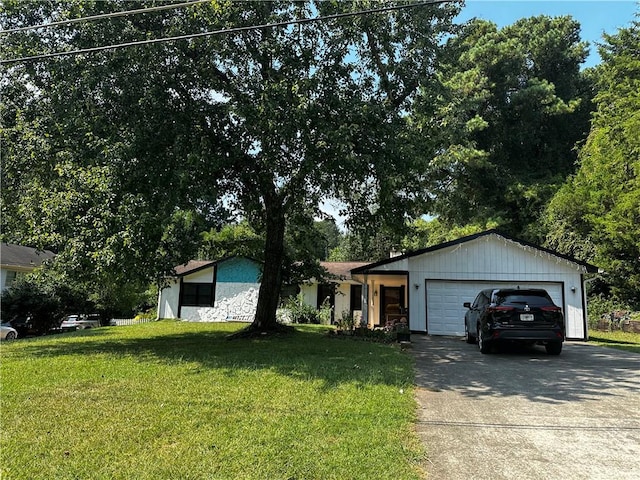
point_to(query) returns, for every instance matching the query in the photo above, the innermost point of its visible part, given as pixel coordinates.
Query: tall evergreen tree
(514, 104)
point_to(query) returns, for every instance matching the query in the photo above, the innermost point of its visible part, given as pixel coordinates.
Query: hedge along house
(429, 286)
(338, 289)
(212, 291)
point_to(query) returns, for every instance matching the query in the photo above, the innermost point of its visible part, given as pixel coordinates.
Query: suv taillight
(550, 308)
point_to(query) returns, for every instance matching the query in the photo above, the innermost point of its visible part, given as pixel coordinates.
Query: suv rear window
(533, 299)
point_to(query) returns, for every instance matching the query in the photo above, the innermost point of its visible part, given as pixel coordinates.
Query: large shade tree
(267, 121)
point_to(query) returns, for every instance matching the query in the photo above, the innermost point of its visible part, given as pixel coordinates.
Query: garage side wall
(168, 301)
(494, 258)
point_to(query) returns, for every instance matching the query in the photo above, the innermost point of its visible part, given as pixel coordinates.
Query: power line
(104, 15)
(221, 32)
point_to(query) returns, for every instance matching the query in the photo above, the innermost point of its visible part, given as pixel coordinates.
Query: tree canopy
(105, 155)
(596, 214)
(119, 158)
(513, 105)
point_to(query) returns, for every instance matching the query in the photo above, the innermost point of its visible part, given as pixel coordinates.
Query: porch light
(416, 285)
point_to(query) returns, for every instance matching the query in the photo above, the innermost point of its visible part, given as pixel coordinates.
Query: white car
(80, 322)
(8, 332)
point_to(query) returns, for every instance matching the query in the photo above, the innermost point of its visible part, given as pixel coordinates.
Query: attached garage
(441, 278)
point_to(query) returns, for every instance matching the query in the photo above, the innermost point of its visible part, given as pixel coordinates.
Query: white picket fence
(131, 321)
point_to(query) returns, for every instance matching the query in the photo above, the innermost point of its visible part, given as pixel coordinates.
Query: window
(481, 300)
(11, 277)
(533, 299)
(356, 297)
(325, 294)
(197, 294)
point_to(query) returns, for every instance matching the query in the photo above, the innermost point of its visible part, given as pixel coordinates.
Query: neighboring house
(212, 291)
(430, 285)
(16, 260)
(339, 290)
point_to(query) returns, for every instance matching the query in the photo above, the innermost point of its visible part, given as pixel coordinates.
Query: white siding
(203, 276)
(342, 300)
(310, 294)
(168, 302)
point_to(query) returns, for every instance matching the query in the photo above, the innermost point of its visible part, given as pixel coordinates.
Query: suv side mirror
(466, 304)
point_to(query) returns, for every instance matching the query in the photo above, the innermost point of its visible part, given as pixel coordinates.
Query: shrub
(606, 313)
(346, 322)
(324, 314)
(297, 311)
(44, 297)
(378, 335)
(148, 315)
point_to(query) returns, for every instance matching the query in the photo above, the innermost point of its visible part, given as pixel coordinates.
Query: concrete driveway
(521, 414)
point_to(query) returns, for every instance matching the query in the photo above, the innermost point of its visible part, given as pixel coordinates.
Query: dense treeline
(596, 214)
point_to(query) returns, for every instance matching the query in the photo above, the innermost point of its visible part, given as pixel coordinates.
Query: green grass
(627, 341)
(176, 400)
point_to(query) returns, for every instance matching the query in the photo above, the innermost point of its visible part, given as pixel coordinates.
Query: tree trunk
(269, 295)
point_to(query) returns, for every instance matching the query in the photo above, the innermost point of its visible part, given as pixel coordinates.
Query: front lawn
(175, 400)
(628, 341)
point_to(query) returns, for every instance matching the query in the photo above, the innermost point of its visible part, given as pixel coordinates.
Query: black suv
(507, 314)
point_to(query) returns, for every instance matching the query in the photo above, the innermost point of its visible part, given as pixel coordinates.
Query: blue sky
(595, 16)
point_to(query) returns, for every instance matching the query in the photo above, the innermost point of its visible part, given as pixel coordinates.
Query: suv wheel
(553, 348)
(467, 336)
(483, 345)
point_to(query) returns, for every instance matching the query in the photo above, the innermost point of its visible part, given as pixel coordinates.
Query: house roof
(341, 270)
(368, 267)
(12, 255)
(193, 266)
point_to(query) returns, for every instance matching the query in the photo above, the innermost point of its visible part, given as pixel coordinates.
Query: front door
(355, 299)
(392, 306)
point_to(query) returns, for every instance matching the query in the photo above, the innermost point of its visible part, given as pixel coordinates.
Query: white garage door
(445, 313)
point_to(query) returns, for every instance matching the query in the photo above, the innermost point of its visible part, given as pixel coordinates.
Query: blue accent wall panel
(238, 270)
